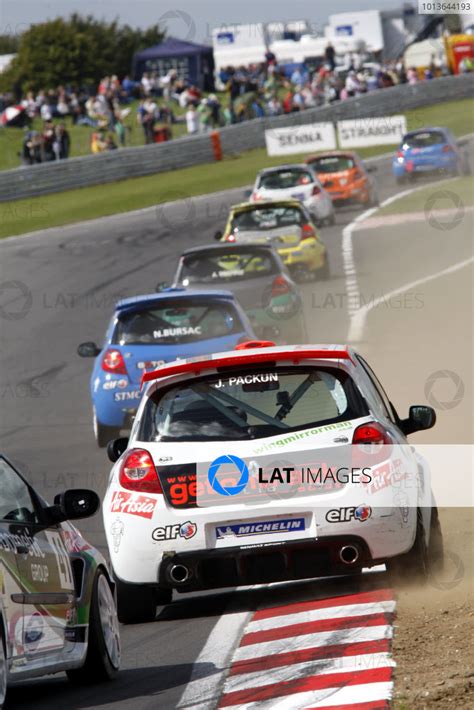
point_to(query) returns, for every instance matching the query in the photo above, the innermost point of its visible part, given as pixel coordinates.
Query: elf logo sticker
(186, 530)
(345, 515)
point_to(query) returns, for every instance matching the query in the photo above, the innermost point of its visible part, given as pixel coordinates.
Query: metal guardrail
(90, 170)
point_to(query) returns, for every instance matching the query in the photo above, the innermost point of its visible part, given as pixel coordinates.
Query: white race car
(297, 182)
(206, 494)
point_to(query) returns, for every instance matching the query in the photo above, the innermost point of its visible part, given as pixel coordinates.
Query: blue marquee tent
(193, 62)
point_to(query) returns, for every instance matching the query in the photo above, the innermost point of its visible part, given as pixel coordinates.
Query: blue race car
(429, 150)
(147, 331)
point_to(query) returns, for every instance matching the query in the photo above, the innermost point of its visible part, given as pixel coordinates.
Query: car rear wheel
(103, 647)
(416, 565)
(136, 603)
(104, 434)
(3, 668)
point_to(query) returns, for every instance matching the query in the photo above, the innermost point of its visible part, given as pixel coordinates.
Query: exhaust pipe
(179, 574)
(349, 554)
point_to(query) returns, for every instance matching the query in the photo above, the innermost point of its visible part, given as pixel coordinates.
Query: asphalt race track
(58, 289)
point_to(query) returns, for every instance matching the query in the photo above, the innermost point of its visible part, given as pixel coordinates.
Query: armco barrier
(196, 150)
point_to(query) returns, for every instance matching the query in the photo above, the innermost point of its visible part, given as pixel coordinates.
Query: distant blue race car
(147, 331)
(429, 150)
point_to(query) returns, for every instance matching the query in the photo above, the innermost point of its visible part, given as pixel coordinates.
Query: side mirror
(218, 235)
(247, 194)
(371, 168)
(74, 504)
(88, 349)
(116, 447)
(420, 417)
(162, 286)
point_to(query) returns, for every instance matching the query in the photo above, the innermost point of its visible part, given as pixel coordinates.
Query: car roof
(174, 294)
(242, 206)
(284, 166)
(332, 153)
(428, 129)
(261, 353)
(228, 248)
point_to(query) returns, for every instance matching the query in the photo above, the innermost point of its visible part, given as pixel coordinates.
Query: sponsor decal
(248, 379)
(150, 364)
(62, 559)
(186, 530)
(39, 573)
(345, 515)
(115, 384)
(387, 474)
(133, 504)
(301, 435)
(34, 630)
(116, 530)
(16, 542)
(165, 459)
(126, 396)
(234, 462)
(266, 527)
(182, 330)
(402, 501)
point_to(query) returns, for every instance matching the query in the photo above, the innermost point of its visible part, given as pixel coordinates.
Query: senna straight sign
(360, 132)
(300, 139)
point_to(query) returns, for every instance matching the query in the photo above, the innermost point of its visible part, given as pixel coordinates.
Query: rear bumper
(262, 564)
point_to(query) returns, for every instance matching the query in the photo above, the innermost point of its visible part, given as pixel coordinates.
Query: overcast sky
(187, 19)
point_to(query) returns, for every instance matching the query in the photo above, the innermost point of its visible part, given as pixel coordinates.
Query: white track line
(357, 314)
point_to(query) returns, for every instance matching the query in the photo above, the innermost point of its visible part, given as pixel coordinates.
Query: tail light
(138, 472)
(113, 361)
(308, 231)
(316, 190)
(370, 433)
(256, 196)
(230, 238)
(447, 149)
(280, 286)
(378, 443)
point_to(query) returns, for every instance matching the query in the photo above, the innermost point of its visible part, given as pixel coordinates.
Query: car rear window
(333, 163)
(250, 404)
(285, 179)
(424, 139)
(226, 268)
(266, 218)
(176, 323)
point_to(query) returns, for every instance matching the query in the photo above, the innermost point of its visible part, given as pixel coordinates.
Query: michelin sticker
(267, 527)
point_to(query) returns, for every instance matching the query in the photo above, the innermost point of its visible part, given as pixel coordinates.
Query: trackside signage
(361, 132)
(300, 139)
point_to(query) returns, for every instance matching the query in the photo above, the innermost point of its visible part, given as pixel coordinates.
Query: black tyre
(416, 565)
(136, 603)
(103, 648)
(104, 434)
(3, 667)
(322, 273)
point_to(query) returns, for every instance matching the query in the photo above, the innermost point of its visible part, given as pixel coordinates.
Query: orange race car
(345, 177)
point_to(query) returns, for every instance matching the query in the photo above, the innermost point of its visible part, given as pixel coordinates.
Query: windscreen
(424, 139)
(285, 179)
(267, 218)
(226, 268)
(251, 404)
(177, 323)
(333, 163)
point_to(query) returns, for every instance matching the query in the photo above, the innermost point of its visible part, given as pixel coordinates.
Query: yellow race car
(285, 224)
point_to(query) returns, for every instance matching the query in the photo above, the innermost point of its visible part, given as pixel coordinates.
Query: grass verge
(451, 195)
(20, 216)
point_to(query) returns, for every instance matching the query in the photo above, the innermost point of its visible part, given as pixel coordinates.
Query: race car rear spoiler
(197, 366)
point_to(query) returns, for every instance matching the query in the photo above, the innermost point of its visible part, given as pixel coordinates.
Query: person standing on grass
(193, 122)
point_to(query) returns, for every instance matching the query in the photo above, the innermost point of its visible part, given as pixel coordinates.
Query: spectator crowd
(159, 102)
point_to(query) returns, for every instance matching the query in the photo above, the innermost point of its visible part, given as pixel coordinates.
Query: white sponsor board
(300, 139)
(360, 132)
